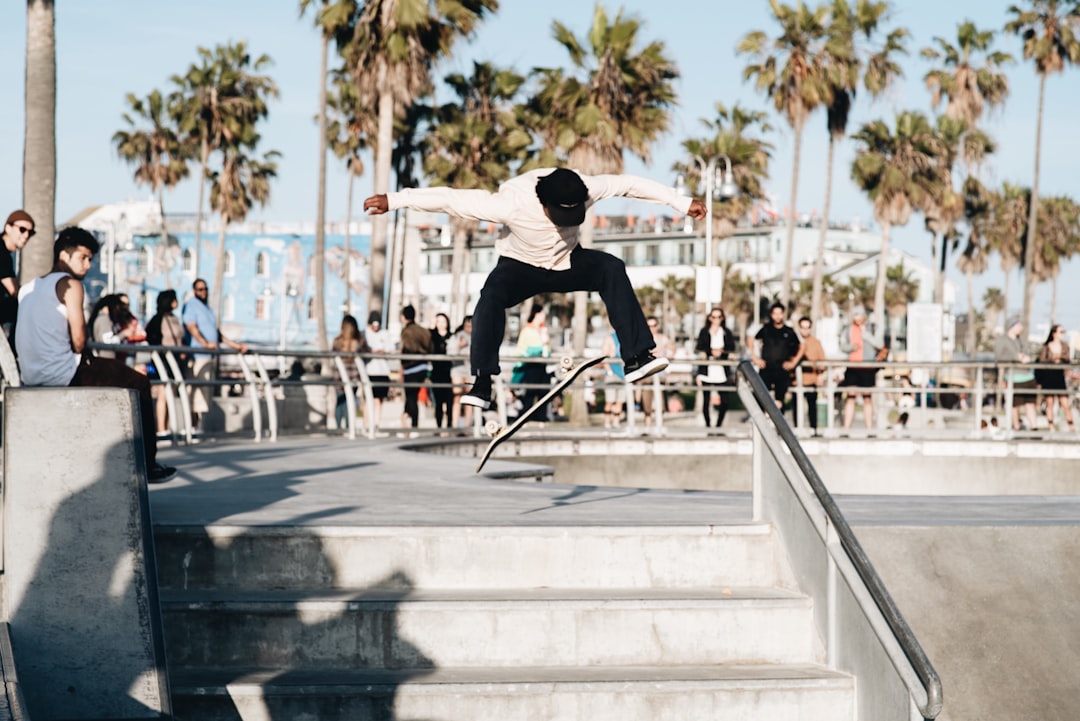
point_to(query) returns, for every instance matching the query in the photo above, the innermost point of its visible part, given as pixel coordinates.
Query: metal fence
(956, 398)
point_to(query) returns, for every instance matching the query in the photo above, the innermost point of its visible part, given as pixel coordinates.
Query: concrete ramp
(80, 587)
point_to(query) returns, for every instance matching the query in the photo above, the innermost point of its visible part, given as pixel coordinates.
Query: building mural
(269, 289)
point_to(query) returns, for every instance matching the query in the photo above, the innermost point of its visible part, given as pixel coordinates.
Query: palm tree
(619, 100)
(472, 143)
(241, 182)
(39, 143)
(389, 47)
(736, 133)
(1005, 234)
(978, 209)
(1050, 30)
(156, 151)
(348, 133)
(944, 208)
(1059, 231)
(901, 289)
(217, 99)
(333, 12)
(993, 302)
(845, 65)
(792, 70)
(968, 88)
(897, 169)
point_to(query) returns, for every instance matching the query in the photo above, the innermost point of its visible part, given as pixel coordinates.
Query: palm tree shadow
(352, 658)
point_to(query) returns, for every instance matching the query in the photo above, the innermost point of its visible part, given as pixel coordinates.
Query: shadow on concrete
(87, 628)
(330, 674)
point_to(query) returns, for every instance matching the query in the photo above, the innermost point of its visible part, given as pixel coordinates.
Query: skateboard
(569, 373)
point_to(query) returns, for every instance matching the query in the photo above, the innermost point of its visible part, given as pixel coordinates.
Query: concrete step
(191, 557)
(632, 693)
(537, 627)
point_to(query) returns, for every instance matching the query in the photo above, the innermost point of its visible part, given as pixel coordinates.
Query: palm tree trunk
(971, 313)
(197, 252)
(320, 208)
(218, 292)
(165, 237)
(1005, 302)
(785, 290)
(939, 272)
(1033, 217)
(1053, 297)
(819, 260)
(380, 223)
(879, 284)
(348, 242)
(457, 269)
(39, 147)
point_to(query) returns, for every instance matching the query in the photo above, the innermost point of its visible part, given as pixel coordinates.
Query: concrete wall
(898, 467)
(995, 608)
(80, 585)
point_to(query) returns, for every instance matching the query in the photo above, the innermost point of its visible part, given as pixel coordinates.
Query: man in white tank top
(51, 338)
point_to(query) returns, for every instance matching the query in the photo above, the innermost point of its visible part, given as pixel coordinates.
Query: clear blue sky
(108, 48)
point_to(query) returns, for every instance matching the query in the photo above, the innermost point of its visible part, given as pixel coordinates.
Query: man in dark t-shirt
(781, 350)
(18, 229)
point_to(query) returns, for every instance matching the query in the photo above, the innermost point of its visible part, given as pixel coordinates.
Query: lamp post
(725, 189)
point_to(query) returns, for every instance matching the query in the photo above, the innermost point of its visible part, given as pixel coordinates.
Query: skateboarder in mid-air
(541, 212)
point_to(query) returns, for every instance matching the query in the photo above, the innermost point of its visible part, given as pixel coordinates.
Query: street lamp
(725, 189)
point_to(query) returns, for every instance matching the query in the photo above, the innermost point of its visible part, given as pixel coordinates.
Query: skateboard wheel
(567, 362)
(492, 428)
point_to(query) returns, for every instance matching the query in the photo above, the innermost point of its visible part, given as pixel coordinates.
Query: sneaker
(159, 473)
(480, 393)
(644, 365)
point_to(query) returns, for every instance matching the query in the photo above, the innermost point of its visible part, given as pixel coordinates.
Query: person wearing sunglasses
(18, 230)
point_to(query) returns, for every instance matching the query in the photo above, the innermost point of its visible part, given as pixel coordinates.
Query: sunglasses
(28, 232)
(201, 289)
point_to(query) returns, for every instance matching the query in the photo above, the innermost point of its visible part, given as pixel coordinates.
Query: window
(145, 261)
(311, 309)
(262, 265)
(188, 261)
(652, 254)
(262, 308)
(144, 308)
(228, 308)
(230, 263)
(686, 253)
(626, 252)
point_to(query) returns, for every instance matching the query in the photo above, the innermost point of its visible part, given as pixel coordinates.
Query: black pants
(707, 390)
(512, 282)
(412, 382)
(810, 398)
(778, 379)
(97, 372)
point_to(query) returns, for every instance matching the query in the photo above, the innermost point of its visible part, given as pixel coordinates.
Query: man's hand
(376, 205)
(697, 209)
(758, 362)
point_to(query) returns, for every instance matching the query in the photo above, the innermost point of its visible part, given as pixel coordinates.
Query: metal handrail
(910, 645)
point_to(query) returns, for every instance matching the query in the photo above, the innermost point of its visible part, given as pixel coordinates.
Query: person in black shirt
(18, 230)
(781, 350)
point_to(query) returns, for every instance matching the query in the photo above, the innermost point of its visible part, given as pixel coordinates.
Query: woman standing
(164, 330)
(534, 342)
(348, 340)
(715, 343)
(377, 368)
(441, 392)
(459, 344)
(1055, 350)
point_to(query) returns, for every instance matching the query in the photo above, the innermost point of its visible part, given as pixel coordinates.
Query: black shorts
(380, 387)
(859, 378)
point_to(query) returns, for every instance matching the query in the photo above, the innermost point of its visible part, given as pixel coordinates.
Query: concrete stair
(381, 624)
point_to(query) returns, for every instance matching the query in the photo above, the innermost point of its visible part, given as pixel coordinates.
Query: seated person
(52, 341)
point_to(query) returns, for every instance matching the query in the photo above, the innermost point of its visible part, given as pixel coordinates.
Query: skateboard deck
(570, 373)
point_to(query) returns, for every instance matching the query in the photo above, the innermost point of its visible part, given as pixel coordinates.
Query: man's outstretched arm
(464, 203)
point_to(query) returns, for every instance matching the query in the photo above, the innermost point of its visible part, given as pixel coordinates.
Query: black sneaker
(159, 473)
(644, 365)
(480, 393)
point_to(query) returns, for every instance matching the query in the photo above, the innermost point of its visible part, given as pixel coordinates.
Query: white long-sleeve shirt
(528, 234)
